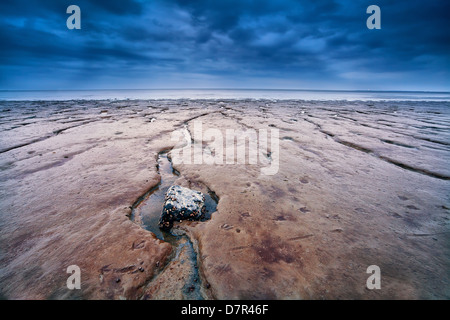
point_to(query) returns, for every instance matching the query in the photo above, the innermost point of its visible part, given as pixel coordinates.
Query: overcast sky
(296, 44)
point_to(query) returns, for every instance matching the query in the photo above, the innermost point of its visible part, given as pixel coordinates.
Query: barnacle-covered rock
(181, 204)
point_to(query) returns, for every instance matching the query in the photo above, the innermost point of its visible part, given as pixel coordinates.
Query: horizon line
(242, 89)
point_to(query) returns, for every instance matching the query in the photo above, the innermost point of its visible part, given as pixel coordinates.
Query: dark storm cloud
(242, 43)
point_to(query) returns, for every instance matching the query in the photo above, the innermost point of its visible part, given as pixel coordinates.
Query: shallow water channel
(149, 209)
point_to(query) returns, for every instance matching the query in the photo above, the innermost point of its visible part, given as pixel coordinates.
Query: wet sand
(359, 184)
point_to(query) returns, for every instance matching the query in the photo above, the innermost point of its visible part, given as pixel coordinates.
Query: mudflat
(357, 184)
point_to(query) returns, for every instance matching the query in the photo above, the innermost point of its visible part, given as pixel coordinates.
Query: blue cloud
(241, 43)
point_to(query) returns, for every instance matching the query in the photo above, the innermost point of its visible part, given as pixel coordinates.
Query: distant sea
(217, 94)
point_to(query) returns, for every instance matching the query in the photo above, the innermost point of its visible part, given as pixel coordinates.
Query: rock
(181, 204)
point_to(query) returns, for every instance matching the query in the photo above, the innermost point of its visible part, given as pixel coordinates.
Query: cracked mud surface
(358, 184)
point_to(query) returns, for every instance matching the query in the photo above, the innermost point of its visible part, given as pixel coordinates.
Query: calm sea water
(318, 95)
